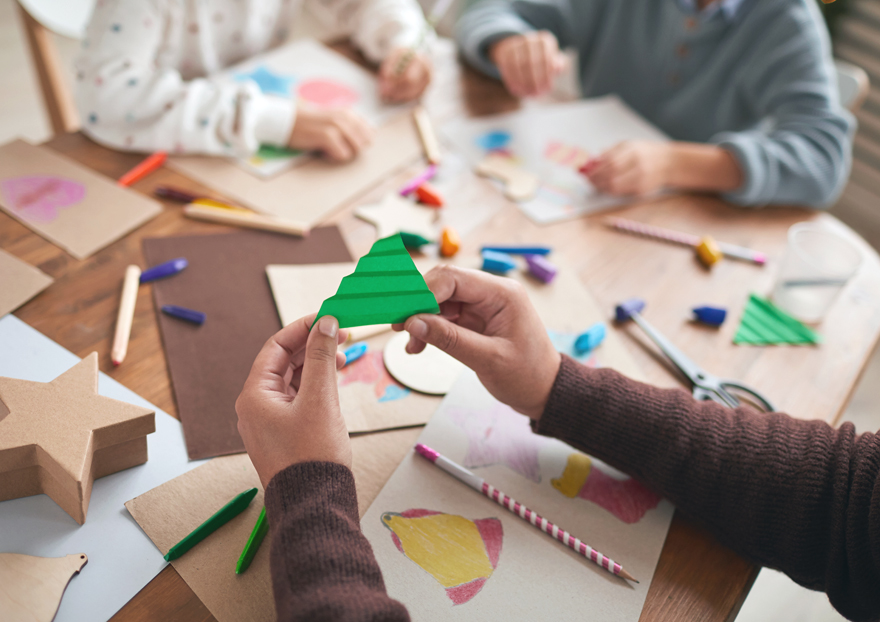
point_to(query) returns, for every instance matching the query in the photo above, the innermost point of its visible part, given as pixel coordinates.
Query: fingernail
(418, 328)
(328, 326)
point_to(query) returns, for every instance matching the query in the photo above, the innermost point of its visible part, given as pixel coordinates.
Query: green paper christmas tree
(385, 288)
(763, 323)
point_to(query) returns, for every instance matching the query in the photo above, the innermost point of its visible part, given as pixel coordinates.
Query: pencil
(261, 528)
(126, 314)
(242, 219)
(215, 522)
(480, 485)
(427, 135)
(144, 168)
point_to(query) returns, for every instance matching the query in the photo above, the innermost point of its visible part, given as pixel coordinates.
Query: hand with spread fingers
(339, 133)
(528, 63)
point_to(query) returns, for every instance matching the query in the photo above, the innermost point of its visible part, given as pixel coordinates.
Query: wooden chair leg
(50, 72)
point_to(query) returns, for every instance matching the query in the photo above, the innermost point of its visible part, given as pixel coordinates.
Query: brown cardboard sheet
(225, 279)
(19, 282)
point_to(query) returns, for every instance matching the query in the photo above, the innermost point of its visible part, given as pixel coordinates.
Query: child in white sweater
(144, 75)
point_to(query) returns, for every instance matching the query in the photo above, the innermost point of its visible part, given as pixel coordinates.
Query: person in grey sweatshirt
(745, 88)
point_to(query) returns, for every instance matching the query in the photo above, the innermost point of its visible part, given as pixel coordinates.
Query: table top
(696, 578)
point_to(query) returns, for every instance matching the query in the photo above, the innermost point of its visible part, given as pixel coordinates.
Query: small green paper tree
(763, 323)
(385, 288)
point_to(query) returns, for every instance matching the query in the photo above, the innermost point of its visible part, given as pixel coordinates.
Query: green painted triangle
(763, 323)
(385, 288)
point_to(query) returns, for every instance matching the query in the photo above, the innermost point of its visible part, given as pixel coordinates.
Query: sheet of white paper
(515, 572)
(122, 559)
(553, 142)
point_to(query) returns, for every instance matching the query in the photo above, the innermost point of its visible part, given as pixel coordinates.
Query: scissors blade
(678, 358)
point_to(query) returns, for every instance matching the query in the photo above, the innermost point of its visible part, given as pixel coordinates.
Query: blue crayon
(623, 312)
(590, 339)
(355, 351)
(163, 269)
(500, 263)
(196, 317)
(519, 250)
(712, 316)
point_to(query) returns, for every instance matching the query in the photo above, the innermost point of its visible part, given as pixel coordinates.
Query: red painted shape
(327, 93)
(627, 499)
(492, 533)
(460, 594)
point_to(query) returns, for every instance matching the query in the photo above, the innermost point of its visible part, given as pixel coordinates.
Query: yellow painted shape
(449, 547)
(575, 475)
(708, 251)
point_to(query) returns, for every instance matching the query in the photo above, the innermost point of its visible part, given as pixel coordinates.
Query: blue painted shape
(393, 392)
(355, 351)
(623, 312)
(590, 339)
(270, 83)
(712, 316)
(494, 140)
(499, 263)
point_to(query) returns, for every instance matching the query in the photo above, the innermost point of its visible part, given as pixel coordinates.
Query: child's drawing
(461, 554)
(270, 83)
(327, 93)
(370, 369)
(570, 156)
(39, 197)
(626, 498)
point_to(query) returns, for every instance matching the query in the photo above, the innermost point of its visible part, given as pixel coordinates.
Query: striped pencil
(684, 239)
(479, 484)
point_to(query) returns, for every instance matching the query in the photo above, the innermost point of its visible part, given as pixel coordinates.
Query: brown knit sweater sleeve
(794, 495)
(323, 568)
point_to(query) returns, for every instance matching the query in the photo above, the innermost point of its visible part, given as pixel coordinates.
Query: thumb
(319, 367)
(469, 347)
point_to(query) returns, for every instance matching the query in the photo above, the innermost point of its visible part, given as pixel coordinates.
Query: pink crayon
(410, 186)
(480, 485)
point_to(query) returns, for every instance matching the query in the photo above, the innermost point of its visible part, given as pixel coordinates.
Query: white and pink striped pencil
(479, 484)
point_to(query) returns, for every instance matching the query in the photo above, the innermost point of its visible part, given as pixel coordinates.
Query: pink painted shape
(499, 435)
(39, 197)
(492, 533)
(627, 499)
(460, 594)
(327, 93)
(369, 369)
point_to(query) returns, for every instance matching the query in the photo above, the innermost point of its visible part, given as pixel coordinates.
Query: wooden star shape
(57, 437)
(395, 213)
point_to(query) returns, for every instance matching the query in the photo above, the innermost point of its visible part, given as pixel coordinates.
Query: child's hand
(528, 63)
(288, 410)
(339, 133)
(489, 324)
(400, 85)
(631, 168)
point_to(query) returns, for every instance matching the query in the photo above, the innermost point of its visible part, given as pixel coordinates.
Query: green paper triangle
(763, 323)
(385, 288)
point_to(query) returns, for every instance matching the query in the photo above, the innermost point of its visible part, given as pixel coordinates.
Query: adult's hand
(288, 410)
(528, 63)
(338, 133)
(489, 324)
(404, 75)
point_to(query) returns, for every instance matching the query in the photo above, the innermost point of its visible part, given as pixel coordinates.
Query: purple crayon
(541, 268)
(168, 268)
(196, 317)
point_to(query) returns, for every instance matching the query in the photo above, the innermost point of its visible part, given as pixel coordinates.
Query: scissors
(705, 386)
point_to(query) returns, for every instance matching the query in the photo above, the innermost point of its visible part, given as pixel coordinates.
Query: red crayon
(147, 166)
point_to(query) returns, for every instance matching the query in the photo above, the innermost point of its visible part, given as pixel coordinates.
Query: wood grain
(697, 578)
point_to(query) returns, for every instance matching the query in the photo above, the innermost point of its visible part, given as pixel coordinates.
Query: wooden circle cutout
(431, 371)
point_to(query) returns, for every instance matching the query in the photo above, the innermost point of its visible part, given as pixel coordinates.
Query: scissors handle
(760, 400)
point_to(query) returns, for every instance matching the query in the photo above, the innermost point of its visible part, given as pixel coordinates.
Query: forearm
(323, 568)
(705, 168)
(794, 495)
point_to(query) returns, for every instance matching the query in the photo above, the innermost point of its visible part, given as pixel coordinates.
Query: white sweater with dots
(144, 75)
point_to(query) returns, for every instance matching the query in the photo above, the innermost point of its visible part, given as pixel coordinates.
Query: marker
(410, 186)
(590, 339)
(215, 522)
(196, 317)
(623, 312)
(500, 263)
(413, 240)
(144, 168)
(540, 268)
(355, 351)
(163, 269)
(711, 316)
(519, 250)
(261, 528)
(126, 314)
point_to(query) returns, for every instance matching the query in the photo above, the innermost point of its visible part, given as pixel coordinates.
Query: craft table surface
(697, 578)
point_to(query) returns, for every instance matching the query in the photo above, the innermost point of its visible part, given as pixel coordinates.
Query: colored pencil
(684, 239)
(215, 522)
(426, 175)
(126, 314)
(261, 528)
(481, 486)
(427, 135)
(243, 219)
(174, 194)
(144, 168)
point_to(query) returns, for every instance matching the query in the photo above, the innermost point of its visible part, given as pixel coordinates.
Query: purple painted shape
(541, 268)
(39, 197)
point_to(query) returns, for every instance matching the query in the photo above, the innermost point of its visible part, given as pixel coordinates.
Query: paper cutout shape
(519, 184)
(71, 425)
(20, 282)
(432, 371)
(370, 369)
(31, 587)
(39, 197)
(328, 93)
(627, 499)
(270, 83)
(394, 214)
(461, 554)
(385, 288)
(763, 323)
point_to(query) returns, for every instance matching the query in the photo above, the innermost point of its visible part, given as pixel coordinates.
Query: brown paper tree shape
(57, 437)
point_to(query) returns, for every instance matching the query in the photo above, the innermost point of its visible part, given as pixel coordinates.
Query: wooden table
(696, 578)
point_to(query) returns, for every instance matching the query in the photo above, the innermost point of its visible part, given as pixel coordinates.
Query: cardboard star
(270, 83)
(57, 437)
(395, 214)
